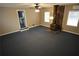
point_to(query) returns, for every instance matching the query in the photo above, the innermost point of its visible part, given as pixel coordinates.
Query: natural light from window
(46, 16)
(73, 18)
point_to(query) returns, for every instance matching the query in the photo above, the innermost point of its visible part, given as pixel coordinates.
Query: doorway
(21, 17)
(58, 18)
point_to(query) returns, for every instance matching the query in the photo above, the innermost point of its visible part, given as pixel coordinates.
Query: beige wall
(66, 27)
(9, 21)
(49, 9)
(32, 17)
(0, 20)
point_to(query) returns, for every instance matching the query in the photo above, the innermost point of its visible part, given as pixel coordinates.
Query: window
(46, 16)
(73, 18)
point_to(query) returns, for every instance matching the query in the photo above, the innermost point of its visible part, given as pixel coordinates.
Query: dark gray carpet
(40, 42)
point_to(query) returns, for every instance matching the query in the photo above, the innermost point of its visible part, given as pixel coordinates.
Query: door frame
(25, 21)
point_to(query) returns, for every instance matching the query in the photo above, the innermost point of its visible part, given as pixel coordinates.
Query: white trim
(44, 25)
(25, 19)
(24, 30)
(24, 16)
(34, 26)
(9, 33)
(71, 32)
(18, 19)
(18, 30)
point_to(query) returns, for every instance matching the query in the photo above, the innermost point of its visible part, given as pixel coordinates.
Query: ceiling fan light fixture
(37, 10)
(39, 7)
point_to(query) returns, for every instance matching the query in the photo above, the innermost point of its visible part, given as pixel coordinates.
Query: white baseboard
(44, 25)
(71, 32)
(24, 29)
(34, 26)
(9, 33)
(17, 31)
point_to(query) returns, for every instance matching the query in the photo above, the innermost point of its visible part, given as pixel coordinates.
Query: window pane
(73, 18)
(46, 16)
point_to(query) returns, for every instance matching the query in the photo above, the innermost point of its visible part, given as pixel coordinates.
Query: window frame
(45, 16)
(68, 17)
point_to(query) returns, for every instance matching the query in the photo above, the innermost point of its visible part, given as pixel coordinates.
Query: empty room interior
(39, 29)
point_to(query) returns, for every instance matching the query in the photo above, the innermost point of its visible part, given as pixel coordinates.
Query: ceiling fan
(37, 7)
(40, 5)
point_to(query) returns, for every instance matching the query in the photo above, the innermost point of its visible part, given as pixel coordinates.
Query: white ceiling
(27, 4)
